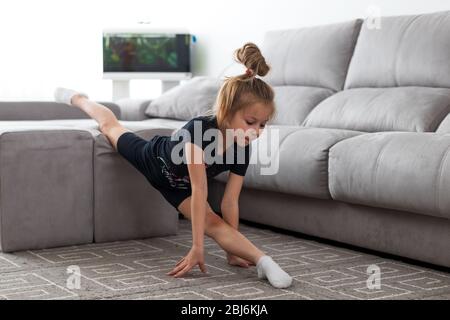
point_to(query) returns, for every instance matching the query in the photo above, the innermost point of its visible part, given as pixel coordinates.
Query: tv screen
(146, 52)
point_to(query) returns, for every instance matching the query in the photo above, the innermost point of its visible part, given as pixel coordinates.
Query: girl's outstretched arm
(199, 185)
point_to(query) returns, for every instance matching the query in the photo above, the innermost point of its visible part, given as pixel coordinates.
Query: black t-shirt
(174, 169)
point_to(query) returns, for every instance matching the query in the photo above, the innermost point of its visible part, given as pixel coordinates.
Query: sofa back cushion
(398, 78)
(187, 100)
(313, 56)
(294, 103)
(412, 50)
(416, 109)
(47, 110)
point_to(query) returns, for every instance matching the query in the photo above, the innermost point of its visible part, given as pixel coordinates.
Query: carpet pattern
(136, 270)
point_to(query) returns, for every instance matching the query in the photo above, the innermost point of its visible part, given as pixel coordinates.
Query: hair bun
(250, 56)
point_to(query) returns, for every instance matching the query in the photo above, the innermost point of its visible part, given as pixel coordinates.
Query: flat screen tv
(146, 53)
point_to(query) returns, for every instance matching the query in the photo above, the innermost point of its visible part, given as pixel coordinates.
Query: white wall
(50, 43)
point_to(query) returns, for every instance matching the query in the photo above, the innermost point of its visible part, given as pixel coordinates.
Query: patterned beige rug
(136, 270)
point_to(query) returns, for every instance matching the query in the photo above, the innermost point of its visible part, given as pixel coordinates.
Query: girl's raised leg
(107, 120)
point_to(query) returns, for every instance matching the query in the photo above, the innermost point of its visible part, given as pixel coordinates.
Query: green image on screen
(128, 52)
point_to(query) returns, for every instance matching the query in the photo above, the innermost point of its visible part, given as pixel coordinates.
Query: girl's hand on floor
(237, 261)
(194, 257)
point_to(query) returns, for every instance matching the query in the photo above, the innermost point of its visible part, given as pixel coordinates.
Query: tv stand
(121, 88)
(121, 83)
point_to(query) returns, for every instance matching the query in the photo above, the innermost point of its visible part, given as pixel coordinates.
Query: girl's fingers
(180, 261)
(183, 271)
(176, 269)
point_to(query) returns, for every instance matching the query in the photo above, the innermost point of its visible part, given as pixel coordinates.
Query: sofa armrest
(133, 109)
(46, 110)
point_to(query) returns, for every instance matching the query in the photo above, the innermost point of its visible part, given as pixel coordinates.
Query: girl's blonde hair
(238, 92)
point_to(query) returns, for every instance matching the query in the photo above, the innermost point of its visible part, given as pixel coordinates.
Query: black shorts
(138, 152)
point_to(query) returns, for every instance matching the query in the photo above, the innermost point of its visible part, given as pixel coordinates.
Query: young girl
(244, 104)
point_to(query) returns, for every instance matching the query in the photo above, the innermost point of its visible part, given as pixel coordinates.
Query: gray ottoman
(46, 189)
(126, 206)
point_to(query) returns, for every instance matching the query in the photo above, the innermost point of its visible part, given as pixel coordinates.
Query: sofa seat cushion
(396, 170)
(81, 123)
(298, 160)
(294, 103)
(383, 109)
(165, 122)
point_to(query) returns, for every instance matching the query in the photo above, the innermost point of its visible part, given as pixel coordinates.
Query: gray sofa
(364, 138)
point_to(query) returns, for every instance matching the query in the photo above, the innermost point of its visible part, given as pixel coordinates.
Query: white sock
(269, 269)
(65, 95)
